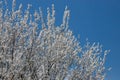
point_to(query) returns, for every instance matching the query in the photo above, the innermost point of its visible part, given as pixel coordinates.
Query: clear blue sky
(97, 20)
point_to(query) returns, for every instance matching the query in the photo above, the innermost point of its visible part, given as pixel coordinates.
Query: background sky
(97, 20)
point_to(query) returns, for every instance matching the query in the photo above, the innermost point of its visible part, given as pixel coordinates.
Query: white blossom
(50, 53)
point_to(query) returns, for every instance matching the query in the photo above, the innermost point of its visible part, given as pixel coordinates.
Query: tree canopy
(34, 49)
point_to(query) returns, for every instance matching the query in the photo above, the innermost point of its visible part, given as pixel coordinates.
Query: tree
(32, 49)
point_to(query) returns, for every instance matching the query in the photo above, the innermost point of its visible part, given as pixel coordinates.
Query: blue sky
(97, 20)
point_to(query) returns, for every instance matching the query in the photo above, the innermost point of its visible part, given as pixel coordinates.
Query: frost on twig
(50, 53)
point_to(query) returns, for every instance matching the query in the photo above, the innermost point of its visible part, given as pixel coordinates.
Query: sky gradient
(97, 20)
